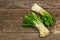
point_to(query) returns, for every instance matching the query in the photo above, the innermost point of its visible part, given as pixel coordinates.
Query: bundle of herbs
(41, 23)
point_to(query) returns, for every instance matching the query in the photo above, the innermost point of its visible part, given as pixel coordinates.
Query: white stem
(36, 8)
(42, 29)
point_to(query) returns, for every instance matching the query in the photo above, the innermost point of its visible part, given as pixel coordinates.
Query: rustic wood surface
(11, 18)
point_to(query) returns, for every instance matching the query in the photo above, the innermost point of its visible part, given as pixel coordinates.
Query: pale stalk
(38, 9)
(43, 31)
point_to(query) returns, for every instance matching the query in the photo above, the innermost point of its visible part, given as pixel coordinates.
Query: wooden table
(11, 16)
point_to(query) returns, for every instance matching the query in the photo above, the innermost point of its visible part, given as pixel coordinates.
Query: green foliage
(47, 19)
(30, 19)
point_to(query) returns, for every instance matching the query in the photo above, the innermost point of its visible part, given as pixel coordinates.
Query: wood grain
(16, 4)
(19, 36)
(11, 19)
(18, 14)
(27, 36)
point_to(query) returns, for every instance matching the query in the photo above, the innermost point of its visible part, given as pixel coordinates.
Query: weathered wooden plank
(27, 36)
(16, 4)
(11, 19)
(19, 36)
(52, 37)
(17, 14)
(15, 26)
(12, 14)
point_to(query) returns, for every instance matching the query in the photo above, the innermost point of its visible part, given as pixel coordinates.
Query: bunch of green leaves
(47, 19)
(30, 19)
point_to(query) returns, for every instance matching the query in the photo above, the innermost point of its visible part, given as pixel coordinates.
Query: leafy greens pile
(36, 21)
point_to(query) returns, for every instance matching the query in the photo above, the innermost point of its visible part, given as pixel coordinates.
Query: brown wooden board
(11, 18)
(27, 36)
(16, 4)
